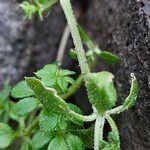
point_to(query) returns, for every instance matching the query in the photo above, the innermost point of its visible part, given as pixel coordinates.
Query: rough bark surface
(121, 26)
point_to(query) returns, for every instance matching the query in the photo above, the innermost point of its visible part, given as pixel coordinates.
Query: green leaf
(28, 8)
(6, 135)
(77, 110)
(130, 100)
(43, 5)
(74, 142)
(52, 122)
(4, 94)
(65, 72)
(26, 145)
(40, 139)
(108, 57)
(38, 7)
(58, 143)
(112, 144)
(22, 90)
(63, 83)
(56, 78)
(12, 114)
(4, 112)
(48, 122)
(25, 106)
(101, 91)
(85, 134)
(114, 139)
(73, 54)
(105, 145)
(86, 39)
(105, 55)
(4, 102)
(48, 74)
(48, 97)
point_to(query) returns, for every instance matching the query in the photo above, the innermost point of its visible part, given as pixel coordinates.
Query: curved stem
(113, 126)
(66, 6)
(98, 132)
(62, 45)
(72, 89)
(115, 110)
(31, 128)
(83, 118)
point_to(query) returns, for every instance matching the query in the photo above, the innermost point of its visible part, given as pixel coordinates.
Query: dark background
(120, 26)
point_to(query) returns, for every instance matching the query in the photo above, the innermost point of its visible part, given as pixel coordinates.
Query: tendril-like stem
(83, 118)
(66, 6)
(98, 132)
(62, 46)
(113, 126)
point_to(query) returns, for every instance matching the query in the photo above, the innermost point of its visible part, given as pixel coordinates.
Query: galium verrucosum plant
(46, 120)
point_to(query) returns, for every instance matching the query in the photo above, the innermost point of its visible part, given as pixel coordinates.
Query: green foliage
(74, 142)
(73, 54)
(48, 122)
(86, 135)
(107, 56)
(38, 7)
(56, 78)
(6, 135)
(86, 39)
(29, 9)
(5, 103)
(77, 110)
(130, 100)
(26, 145)
(25, 106)
(101, 91)
(93, 51)
(58, 143)
(67, 142)
(48, 97)
(21, 90)
(40, 139)
(112, 144)
(4, 94)
(45, 120)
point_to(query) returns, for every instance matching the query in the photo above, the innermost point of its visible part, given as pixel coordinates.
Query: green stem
(62, 46)
(66, 6)
(31, 128)
(83, 118)
(113, 126)
(72, 89)
(98, 132)
(115, 110)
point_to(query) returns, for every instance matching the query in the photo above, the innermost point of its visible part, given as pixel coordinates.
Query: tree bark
(123, 27)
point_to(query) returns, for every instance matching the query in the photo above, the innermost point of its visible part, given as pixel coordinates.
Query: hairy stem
(72, 89)
(31, 128)
(62, 45)
(113, 126)
(66, 6)
(83, 118)
(98, 132)
(115, 110)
